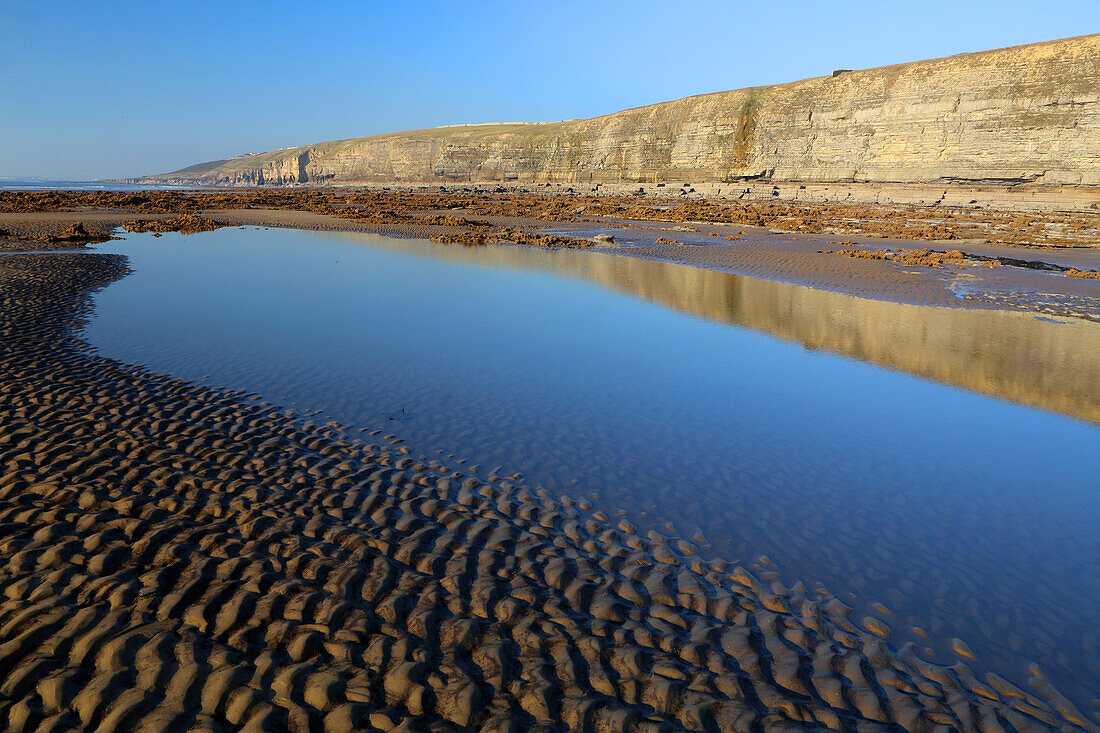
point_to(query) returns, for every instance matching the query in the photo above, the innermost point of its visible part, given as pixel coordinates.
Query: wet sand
(178, 557)
(174, 556)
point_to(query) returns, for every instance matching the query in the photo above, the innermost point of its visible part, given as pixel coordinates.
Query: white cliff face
(1023, 114)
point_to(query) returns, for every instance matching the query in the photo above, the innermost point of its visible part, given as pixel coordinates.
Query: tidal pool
(944, 463)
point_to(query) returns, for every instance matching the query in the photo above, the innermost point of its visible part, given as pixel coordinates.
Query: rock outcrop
(1027, 114)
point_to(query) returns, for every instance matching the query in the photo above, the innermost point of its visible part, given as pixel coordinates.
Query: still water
(941, 462)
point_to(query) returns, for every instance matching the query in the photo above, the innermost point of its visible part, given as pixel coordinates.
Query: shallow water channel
(944, 463)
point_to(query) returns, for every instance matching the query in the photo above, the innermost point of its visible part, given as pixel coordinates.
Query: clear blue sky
(112, 89)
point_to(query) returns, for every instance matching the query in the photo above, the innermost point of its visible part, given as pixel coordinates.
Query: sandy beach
(615, 367)
(176, 557)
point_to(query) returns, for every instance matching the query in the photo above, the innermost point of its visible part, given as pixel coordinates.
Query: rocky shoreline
(1048, 258)
(509, 214)
(174, 556)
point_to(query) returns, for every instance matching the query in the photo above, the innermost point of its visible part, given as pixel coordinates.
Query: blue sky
(112, 89)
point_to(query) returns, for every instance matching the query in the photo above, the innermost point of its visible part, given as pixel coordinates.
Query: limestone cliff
(1027, 114)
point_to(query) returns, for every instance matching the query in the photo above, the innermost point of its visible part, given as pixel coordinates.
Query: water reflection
(968, 516)
(1046, 363)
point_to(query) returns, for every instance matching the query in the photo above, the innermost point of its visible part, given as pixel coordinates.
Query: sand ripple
(173, 557)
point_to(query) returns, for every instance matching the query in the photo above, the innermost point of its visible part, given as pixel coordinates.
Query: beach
(507, 368)
(176, 556)
(1013, 251)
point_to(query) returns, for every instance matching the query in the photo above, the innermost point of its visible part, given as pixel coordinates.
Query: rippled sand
(174, 557)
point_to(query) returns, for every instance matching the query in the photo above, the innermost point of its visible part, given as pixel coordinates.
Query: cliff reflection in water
(1012, 355)
(584, 371)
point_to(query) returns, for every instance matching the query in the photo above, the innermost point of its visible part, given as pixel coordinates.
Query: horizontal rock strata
(173, 557)
(1022, 115)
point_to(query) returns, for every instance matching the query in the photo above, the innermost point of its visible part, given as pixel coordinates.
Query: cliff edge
(1026, 114)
